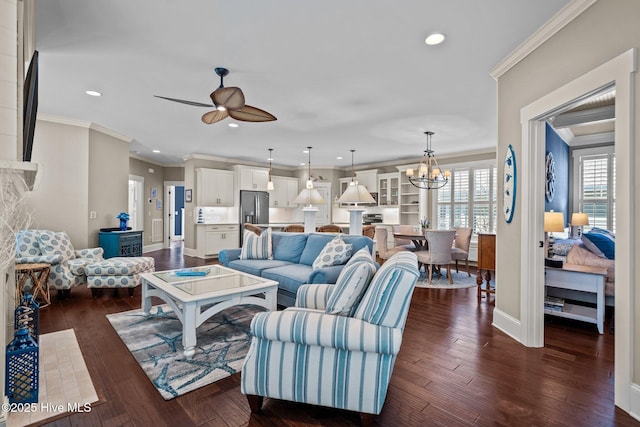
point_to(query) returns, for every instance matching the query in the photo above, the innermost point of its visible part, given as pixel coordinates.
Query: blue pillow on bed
(561, 247)
(601, 244)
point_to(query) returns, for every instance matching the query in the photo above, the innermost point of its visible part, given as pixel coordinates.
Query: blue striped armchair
(306, 354)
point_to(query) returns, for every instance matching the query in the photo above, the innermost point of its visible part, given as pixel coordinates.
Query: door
(136, 205)
(178, 207)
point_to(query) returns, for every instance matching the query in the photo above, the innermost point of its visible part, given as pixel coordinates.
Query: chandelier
(428, 174)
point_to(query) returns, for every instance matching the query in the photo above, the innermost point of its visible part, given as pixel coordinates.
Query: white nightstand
(579, 278)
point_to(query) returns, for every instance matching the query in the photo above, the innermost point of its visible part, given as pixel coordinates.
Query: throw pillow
(335, 252)
(256, 247)
(600, 244)
(55, 243)
(349, 288)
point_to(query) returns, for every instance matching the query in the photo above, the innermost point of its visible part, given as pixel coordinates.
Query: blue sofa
(293, 256)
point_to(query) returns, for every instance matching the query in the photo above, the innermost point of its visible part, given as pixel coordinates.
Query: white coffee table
(195, 299)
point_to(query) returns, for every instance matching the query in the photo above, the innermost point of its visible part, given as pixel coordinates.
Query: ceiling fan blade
(182, 101)
(231, 98)
(214, 116)
(251, 114)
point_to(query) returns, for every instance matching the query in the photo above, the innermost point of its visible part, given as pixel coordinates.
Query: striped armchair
(303, 354)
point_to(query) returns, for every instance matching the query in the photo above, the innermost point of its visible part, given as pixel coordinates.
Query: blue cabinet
(121, 243)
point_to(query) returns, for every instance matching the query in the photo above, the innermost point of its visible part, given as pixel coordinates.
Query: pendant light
(270, 186)
(428, 175)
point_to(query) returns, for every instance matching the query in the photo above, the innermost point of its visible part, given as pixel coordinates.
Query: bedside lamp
(578, 220)
(553, 221)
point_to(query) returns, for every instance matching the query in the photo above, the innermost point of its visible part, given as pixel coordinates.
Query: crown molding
(83, 124)
(544, 33)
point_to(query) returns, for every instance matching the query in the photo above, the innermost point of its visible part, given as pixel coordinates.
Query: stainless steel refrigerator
(254, 208)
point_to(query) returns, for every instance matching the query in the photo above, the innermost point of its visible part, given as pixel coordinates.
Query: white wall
(59, 200)
(80, 170)
(8, 80)
(602, 32)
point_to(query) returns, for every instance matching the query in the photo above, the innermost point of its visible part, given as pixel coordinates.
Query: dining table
(418, 238)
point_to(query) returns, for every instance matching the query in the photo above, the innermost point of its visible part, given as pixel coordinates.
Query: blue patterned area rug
(156, 343)
(460, 280)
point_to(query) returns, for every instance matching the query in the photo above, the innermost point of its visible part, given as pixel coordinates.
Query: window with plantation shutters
(595, 189)
(468, 200)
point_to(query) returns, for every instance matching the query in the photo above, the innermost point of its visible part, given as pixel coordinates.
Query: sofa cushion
(120, 266)
(289, 277)
(256, 247)
(350, 287)
(288, 246)
(256, 266)
(335, 252)
(317, 241)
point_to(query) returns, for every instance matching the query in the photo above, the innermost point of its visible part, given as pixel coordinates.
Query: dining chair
(439, 253)
(385, 252)
(461, 243)
(329, 228)
(294, 228)
(403, 242)
(254, 228)
(369, 231)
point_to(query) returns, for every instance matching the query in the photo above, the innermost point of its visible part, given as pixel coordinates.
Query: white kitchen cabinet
(389, 189)
(284, 193)
(251, 178)
(214, 187)
(368, 178)
(214, 238)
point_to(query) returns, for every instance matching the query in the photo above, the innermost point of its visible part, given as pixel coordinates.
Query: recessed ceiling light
(93, 93)
(156, 151)
(434, 39)
(339, 158)
(302, 164)
(233, 125)
(305, 151)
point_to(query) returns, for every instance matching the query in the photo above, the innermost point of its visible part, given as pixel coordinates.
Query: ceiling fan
(228, 102)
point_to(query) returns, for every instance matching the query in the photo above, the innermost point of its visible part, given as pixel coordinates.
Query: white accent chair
(404, 243)
(439, 253)
(385, 252)
(460, 250)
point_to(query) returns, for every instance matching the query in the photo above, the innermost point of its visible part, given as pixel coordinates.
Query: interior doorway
(174, 212)
(136, 202)
(615, 72)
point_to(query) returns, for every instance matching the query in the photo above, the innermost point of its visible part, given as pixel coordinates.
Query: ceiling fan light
(434, 39)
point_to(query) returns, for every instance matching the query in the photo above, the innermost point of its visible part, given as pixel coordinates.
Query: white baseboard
(634, 401)
(507, 324)
(189, 252)
(153, 247)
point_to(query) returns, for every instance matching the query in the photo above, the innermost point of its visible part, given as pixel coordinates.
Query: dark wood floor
(454, 369)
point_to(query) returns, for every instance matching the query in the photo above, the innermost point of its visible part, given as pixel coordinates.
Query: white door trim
(619, 71)
(169, 203)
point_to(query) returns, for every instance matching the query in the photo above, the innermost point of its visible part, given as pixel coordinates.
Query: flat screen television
(30, 108)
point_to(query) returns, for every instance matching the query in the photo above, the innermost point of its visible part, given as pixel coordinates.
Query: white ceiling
(337, 74)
